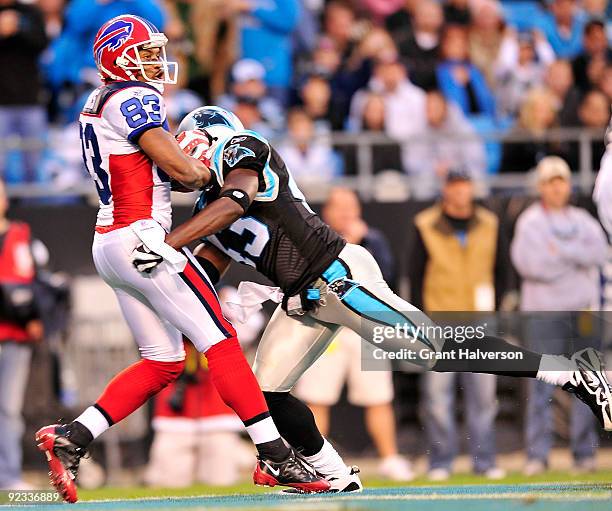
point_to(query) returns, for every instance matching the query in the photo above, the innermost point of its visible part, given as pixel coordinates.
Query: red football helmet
(116, 48)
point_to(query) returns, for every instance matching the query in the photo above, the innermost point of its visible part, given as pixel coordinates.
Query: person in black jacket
(590, 64)
(22, 40)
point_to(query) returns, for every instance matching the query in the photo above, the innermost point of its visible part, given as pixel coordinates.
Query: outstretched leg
(361, 300)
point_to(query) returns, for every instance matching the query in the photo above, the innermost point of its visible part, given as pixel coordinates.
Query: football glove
(145, 260)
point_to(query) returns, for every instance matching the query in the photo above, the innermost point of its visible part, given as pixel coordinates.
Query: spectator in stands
(447, 141)
(457, 12)
(325, 58)
(179, 47)
(559, 81)
(403, 100)
(373, 120)
(595, 8)
(214, 29)
(399, 24)
(266, 36)
(605, 82)
(339, 26)
(599, 9)
(458, 262)
(322, 384)
(306, 31)
(486, 33)
(381, 9)
(419, 51)
(20, 328)
(520, 66)
(249, 112)
(593, 114)
(590, 64)
(376, 47)
(563, 27)
(315, 94)
(557, 250)
(536, 117)
(22, 116)
(53, 13)
(459, 79)
(384, 157)
(342, 56)
(310, 159)
(248, 84)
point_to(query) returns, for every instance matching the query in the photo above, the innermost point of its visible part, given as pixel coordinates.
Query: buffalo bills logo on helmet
(113, 37)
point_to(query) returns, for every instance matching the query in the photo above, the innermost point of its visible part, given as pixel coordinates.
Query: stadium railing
(362, 177)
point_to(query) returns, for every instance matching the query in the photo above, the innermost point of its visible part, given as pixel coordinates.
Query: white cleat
(591, 385)
(348, 483)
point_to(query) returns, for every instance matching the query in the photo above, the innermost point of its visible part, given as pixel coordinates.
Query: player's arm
(214, 262)
(237, 193)
(162, 148)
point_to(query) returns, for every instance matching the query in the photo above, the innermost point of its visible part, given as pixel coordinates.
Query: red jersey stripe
(131, 181)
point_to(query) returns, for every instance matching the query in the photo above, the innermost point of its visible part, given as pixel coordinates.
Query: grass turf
(604, 477)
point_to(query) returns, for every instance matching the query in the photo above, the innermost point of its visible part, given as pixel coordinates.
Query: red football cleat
(291, 472)
(63, 457)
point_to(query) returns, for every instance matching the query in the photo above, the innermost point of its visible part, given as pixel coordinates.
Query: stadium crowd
(436, 77)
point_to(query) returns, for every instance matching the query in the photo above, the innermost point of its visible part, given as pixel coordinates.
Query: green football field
(556, 491)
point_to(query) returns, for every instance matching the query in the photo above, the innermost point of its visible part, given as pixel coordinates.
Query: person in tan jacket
(457, 264)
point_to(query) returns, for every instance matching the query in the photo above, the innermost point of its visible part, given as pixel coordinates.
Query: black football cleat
(292, 472)
(591, 385)
(63, 457)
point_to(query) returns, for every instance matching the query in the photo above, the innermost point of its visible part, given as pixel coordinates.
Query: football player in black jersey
(253, 212)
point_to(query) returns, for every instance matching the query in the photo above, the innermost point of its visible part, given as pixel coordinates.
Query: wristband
(239, 196)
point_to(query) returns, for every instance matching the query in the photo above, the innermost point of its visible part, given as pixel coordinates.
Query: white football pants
(160, 307)
(291, 344)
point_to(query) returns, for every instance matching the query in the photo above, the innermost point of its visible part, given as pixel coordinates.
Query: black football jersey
(279, 234)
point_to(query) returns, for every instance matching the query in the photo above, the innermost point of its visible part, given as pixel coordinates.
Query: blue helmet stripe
(149, 25)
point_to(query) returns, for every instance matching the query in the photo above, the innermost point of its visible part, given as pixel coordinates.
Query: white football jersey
(130, 185)
(602, 194)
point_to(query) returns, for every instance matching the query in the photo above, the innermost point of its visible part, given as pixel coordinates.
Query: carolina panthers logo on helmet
(211, 118)
(113, 37)
(235, 152)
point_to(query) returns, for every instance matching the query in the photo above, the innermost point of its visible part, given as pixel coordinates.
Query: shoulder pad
(101, 95)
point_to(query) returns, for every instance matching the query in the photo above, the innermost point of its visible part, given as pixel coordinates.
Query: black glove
(145, 260)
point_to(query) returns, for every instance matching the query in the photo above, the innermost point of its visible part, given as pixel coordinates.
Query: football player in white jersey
(132, 158)
(602, 194)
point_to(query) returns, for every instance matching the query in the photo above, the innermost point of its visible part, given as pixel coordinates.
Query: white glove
(145, 260)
